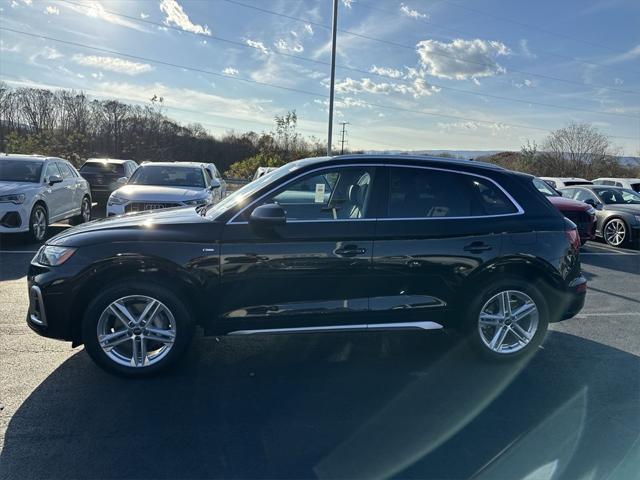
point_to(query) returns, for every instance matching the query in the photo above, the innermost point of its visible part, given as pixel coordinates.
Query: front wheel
(38, 223)
(136, 329)
(615, 232)
(507, 320)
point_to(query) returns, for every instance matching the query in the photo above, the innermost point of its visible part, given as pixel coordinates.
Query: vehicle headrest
(355, 194)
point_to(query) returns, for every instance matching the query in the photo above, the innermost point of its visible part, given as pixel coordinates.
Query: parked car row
(36, 191)
(560, 182)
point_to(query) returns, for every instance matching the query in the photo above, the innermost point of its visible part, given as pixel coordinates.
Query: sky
(411, 75)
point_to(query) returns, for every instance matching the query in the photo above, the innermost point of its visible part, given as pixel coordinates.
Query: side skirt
(345, 328)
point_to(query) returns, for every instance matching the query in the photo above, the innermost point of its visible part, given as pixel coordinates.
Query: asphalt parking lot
(411, 405)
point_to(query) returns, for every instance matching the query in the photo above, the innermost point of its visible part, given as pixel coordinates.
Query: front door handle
(477, 247)
(350, 251)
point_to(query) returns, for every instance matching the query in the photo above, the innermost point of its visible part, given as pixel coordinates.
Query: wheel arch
(152, 270)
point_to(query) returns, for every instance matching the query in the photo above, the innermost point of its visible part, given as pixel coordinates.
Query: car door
(314, 269)
(435, 229)
(53, 194)
(70, 203)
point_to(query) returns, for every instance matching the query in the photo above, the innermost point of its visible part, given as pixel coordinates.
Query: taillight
(574, 238)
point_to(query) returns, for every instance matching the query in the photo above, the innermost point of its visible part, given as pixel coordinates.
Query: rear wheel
(85, 212)
(136, 329)
(38, 223)
(507, 320)
(615, 232)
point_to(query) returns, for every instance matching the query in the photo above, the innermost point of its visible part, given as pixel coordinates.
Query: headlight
(197, 201)
(117, 200)
(54, 256)
(15, 198)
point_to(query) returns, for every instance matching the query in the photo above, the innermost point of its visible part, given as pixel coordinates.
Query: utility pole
(334, 31)
(344, 130)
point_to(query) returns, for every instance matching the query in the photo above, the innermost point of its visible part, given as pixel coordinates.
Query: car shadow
(336, 405)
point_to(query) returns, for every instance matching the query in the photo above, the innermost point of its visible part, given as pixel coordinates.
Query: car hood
(9, 188)
(567, 204)
(157, 193)
(161, 225)
(635, 209)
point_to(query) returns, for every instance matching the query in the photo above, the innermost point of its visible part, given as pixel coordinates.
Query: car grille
(582, 219)
(144, 206)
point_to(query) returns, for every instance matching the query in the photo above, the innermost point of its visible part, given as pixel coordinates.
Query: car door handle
(350, 251)
(477, 247)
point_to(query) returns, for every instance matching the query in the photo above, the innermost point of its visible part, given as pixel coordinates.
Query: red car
(580, 213)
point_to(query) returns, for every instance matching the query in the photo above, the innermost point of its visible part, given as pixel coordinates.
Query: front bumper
(14, 218)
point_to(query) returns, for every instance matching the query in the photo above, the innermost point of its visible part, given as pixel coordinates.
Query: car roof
(623, 179)
(32, 158)
(565, 179)
(593, 187)
(172, 164)
(108, 160)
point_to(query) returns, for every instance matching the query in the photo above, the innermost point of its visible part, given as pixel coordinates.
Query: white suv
(36, 191)
(630, 183)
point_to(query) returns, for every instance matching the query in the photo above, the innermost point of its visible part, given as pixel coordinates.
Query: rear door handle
(350, 251)
(477, 247)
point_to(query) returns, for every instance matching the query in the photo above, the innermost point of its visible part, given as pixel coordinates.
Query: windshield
(102, 167)
(168, 176)
(544, 188)
(239, 196)
(617, 196)
(20, 171)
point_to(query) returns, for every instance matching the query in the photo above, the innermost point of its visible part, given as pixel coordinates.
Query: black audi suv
(323, 244)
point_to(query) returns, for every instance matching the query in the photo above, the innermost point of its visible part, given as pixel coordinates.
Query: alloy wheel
(508, 321)
(615, 232)
(86, 210)
(39, 224)
(136, 331)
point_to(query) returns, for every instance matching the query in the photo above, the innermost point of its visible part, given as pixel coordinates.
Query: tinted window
(169, 176)
(618, 196)
(65, 170)
(20, 171)
(343, 193)
(102, 167)
(51, 170)
(424, 193)
(635, 187)
(582, 195)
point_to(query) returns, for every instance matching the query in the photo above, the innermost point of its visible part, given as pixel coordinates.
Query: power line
(411, 47)
(365, 5)
(304, 92)
(345, 67)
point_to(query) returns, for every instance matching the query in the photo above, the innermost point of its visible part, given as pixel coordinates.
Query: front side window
(618, 196)
(51, 170)
(426, 193)
(168, 176)
(338, 194)
(64, 170)
(584, 195)
(20, 171)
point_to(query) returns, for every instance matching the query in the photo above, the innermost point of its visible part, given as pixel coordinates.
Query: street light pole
(334, 31)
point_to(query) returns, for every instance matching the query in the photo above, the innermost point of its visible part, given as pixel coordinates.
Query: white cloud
(524, 48)
(410, 12)
(417, 88)
(257, 45)
(51, 10)
(175, 15)
(4, 47)
(618, 81)
(143, 15)
(113, 64)
(387, 72)
(526, 83)
(94, 9)
(230, 71)
(308, 28)
(461, 59)
(97, 75)
(347, 3)
(630, 54)
(283, 45)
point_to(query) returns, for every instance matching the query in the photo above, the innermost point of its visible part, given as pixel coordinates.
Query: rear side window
(425, 193)
(65, 170)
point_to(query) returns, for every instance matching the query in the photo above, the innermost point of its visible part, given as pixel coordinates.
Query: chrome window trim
(514, 202)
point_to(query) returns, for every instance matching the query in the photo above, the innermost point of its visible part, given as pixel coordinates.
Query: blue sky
(414, 74)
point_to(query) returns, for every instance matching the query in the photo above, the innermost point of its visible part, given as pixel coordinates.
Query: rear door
(435, 229)
(312, 271)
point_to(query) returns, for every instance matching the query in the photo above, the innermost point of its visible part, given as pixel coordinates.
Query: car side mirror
(270, 215)
(215, 183)
(593, 203)
(122, 181)
(53, 179)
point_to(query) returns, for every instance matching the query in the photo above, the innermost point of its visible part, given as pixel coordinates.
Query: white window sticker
(319, 193)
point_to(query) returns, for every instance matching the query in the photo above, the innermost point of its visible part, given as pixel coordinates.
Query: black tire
(184, 326)
(37, 230)
(84, 208)
(626, 232)
(472, 329)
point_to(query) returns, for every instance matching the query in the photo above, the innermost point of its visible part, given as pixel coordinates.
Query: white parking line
(608, 314)
(607, 248)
